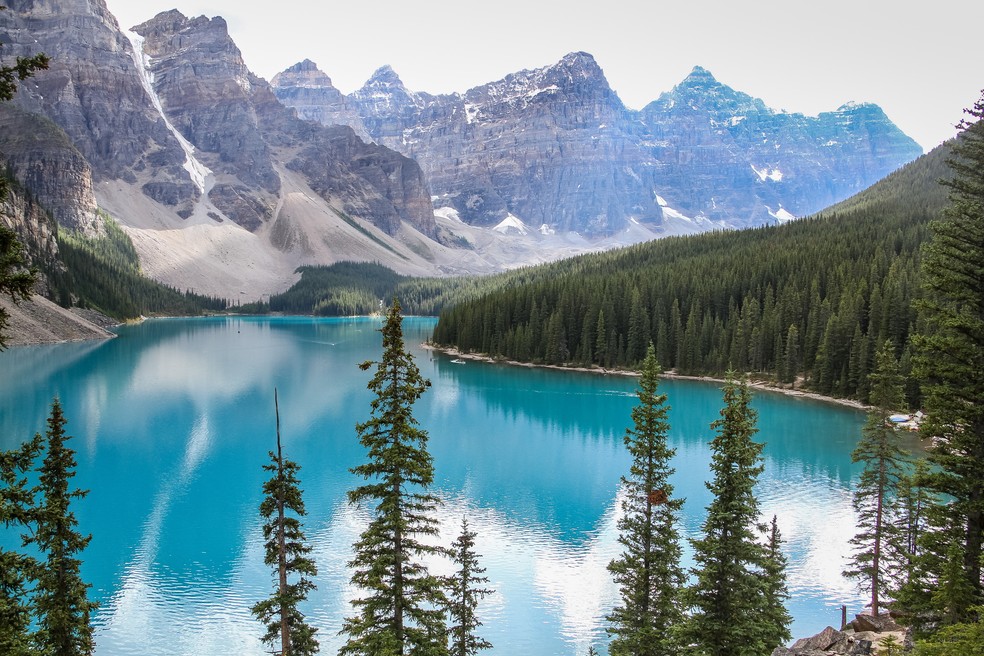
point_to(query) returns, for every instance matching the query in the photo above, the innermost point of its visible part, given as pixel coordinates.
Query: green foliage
(356, 288)
(402, 612)
(732, 592)
(811, 298)
(342, 289)
(60, 595)
(16, 279)
(774, 615)
(16, 569)
(951, 351)
(104, 273)
(287, 553)
(648, 571)
(962, 639)
(873, 498)
(464, 592)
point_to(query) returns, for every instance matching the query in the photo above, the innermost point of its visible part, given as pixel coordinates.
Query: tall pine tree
(874, 496)
(60, 595)
(730, 595)
(287, 553)
(648, 571)
(951, 347)
(775, 619)
(464, 593)
(402, 612)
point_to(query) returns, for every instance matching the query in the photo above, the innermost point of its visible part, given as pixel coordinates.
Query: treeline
(342, 289)
(103, 273)
(357, 288)
(808, 300)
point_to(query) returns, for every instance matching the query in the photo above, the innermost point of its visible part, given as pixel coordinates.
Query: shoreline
(754, 384)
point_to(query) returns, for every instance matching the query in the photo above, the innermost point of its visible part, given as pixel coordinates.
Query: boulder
(875, 623)
(821, 641)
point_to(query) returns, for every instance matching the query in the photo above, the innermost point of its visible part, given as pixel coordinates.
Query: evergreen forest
(804, 303)
(103, 273)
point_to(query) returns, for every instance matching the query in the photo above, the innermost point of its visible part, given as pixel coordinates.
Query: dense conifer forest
(103, 273)
(804, 303)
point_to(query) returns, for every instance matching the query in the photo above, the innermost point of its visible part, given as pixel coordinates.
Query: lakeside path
(758, 385)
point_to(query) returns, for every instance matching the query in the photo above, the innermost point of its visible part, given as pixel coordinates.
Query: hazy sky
(920, 61)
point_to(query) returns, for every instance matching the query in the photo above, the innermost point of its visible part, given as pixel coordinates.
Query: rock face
(173, 111)
(853, 642)
(43, 159)
(92, 90)
(240, 131)
(308, 90)
(556, 147)
(728, 156)
(35, 229)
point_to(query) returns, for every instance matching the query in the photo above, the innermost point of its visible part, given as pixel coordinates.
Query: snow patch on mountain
(198, 172)
(782, 215)
(766, 173)
(511, 224)
(448, 213)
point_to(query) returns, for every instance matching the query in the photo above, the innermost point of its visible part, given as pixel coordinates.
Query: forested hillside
(807, 301)
(104, 274)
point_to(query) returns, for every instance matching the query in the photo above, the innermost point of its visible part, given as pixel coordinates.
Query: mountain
(221, 188)
(556, 148)
(227, 184)
(767, 301)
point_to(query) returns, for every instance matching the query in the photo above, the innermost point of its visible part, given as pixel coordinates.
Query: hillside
(807, 300)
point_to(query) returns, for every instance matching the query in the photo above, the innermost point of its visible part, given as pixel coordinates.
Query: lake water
(172, 422)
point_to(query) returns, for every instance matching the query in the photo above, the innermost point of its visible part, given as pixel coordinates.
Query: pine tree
(60, 595)
(729, 592)
(954, 596)
(16, 569)
(402, 612)
(464, 594)
(951, 347)
(884, 460)
(287, 553)
(775, 619)
(648, 571)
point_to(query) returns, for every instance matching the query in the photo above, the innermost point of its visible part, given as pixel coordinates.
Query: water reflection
(175, 417)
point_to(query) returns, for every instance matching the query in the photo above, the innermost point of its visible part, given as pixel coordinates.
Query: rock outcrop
(311, 93)
(862, 638)
(34, 227)
(43, 160)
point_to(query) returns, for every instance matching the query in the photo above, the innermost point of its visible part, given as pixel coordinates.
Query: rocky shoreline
(759, 385)
(39, 321)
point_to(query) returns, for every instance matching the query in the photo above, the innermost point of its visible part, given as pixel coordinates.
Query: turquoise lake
(172, 422)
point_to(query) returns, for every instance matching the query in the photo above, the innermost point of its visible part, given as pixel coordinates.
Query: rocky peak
(208, 95)
(385, 94)
(309, 91)
(576, 78)
(303, 74)
(701, 91)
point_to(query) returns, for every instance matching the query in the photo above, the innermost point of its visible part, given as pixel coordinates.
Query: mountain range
(226, 183)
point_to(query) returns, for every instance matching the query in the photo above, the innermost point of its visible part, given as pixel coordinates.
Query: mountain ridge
(227, 183)
(701, 150)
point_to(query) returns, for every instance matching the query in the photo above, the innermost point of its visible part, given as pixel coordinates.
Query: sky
(920, 61)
